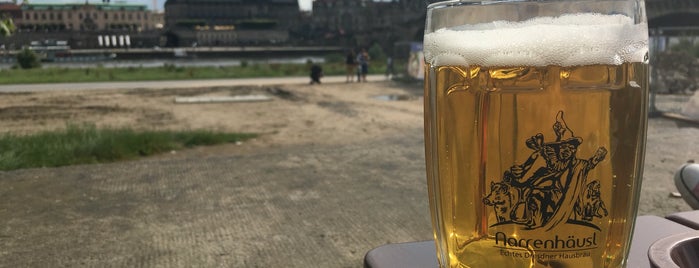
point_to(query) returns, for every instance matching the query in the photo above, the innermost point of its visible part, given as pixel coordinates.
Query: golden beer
(534, 165)
(537, 166)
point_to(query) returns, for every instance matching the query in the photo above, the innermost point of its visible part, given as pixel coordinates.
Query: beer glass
(535, 124)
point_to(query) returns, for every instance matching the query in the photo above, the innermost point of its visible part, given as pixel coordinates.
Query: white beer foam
(568, 40)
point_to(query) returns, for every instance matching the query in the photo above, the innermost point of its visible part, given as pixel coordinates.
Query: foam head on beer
(568, 40)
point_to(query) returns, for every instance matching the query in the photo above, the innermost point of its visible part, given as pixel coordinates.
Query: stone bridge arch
(671, 72)
(673, 14)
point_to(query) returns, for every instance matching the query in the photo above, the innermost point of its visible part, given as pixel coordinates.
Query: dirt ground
(297, 114)
(305, 114)
(336, 171)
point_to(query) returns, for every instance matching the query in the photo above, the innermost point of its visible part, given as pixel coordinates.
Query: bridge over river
(674, 16)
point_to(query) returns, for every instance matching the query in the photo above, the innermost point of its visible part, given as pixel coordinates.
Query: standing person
(350, 65)
(363, 60)
(358, 65)
(389, 67)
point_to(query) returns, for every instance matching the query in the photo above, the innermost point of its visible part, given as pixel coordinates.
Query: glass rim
(455, 3)
(451, 3)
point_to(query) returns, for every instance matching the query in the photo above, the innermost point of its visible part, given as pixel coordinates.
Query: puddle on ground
(393, 97)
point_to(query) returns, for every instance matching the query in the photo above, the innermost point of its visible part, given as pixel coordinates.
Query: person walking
(350, 65)
(358, 66)
(389, 67)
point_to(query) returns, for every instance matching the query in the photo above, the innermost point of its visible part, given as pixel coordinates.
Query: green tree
(687, 45)
(7, 27)
(376, 53)
(27, 59)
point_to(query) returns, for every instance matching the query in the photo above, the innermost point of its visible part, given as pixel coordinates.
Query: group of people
(357, 64)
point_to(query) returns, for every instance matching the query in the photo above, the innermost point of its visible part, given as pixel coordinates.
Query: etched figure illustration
(590, 204)
(555, 192)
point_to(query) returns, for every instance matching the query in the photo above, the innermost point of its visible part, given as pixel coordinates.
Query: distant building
(10, 10)
(363, 22)
(350, 23)
(84, 25)
(84, 17)
(229, 22)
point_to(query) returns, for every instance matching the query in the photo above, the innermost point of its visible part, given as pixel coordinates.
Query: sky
(305, 4)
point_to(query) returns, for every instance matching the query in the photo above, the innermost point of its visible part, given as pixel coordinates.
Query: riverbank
(177, 70)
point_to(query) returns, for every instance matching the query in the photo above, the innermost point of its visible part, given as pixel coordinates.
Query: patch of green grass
(166, 72)
(86, 144)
